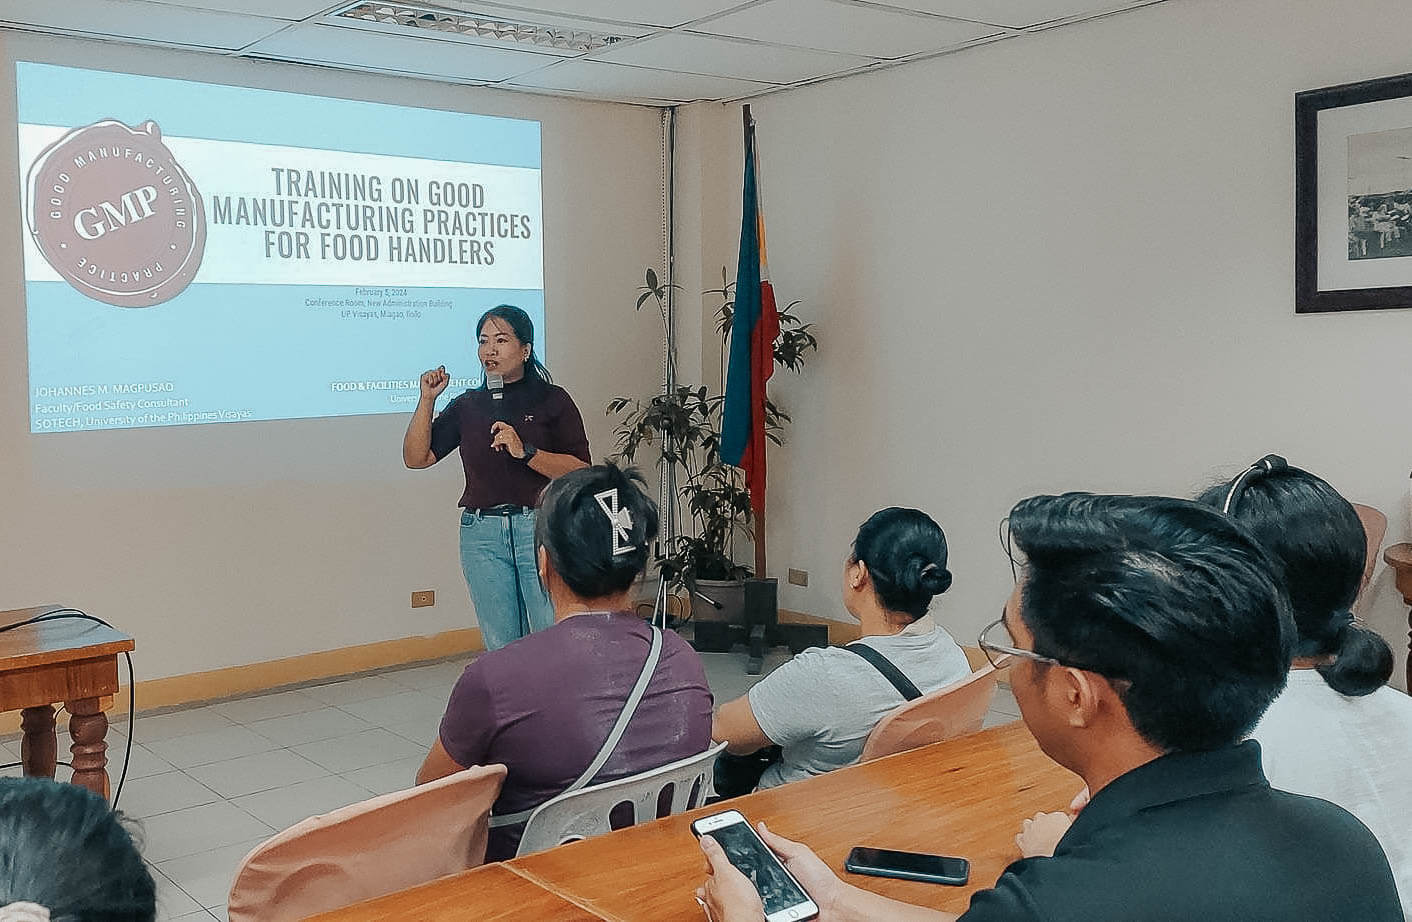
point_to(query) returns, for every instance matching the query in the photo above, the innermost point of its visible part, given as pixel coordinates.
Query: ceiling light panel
(600, 78)
(1013, 13)
(438, 22)
(845, 27)
(275, 9)
(704, 54)
(134, 20)
(644, 12)
(439, 59)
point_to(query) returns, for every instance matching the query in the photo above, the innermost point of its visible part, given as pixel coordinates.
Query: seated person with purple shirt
(546, 705)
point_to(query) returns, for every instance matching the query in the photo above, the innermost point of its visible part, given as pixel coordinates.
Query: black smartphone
(932, 869)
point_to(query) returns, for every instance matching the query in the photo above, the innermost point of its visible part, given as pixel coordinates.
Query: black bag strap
(890, 672)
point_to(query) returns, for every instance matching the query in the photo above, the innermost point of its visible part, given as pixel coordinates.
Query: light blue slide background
(257, 348)
(252, 347)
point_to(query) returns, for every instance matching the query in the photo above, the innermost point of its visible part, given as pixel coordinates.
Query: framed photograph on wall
(1353, 196)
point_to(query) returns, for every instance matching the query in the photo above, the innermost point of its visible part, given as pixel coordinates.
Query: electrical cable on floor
(61, 614)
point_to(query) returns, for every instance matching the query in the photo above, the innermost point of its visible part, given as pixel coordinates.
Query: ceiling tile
(620, 80)
(537, 17)
(428, 56)
(275, 9)
(1016, 13)
(646, 12)
(702, 54)
(831, 26)
(142, 21)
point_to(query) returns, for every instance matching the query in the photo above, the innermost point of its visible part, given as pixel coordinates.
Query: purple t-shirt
(544, 705)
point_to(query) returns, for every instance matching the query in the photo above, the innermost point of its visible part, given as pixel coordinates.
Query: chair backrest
(955, 710)
(1375, 527)
(591, 811)
(368, 849)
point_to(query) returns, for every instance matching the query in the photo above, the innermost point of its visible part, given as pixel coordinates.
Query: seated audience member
(821, 705)
(546, 705)
(1337, 731)
(1147, 636)
(65, 856)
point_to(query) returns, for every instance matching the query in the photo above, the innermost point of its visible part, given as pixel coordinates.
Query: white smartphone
(784, 899)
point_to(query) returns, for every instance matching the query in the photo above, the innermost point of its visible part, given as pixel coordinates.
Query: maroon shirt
(543, 414)
(544, 705)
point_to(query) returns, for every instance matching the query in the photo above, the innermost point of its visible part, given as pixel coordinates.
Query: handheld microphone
(496, 385)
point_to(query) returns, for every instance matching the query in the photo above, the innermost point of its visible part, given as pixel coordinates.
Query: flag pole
(759, 530)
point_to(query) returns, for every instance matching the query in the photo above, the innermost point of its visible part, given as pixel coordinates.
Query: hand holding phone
(783, 897)
(932, 869)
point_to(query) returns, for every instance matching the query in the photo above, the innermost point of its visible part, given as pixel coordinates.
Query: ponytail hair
(1362, 659)
(1319, 549)
(905, 552)
(597, 524)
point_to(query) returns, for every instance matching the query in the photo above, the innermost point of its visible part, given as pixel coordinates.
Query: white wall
(1065, 262)
(223, 545)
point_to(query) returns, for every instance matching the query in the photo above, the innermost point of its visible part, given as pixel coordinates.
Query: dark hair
(63, 848)
(1320, 550)
(1172, 600)
(578, 534)
(523, 328)
(905, 551)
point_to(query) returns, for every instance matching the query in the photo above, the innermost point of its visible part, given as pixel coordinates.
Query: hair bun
(935, 579)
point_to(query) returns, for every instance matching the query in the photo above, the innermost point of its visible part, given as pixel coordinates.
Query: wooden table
(493, 893)
(73, 661)
(1399, 557)
(963, 797)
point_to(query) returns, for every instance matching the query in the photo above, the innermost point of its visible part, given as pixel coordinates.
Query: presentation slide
(197, 253)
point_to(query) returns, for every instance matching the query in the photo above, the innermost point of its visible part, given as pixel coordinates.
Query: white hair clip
(24, 912)
(619, 519)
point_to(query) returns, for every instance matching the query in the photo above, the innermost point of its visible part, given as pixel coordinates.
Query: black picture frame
(1309, 297)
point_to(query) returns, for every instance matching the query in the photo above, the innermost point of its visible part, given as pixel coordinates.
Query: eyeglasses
(999, 653)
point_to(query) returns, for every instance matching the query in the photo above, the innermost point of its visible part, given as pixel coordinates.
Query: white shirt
(1354, 752)
(821, 705)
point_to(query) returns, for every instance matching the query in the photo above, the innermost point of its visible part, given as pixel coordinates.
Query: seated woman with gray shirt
(820, 706)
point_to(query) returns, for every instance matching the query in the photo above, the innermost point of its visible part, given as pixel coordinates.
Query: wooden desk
(493, 893)
(1399, 557)
(71, 661)
(964, 797)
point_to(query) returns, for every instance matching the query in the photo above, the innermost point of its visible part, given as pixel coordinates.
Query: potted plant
(679, 431)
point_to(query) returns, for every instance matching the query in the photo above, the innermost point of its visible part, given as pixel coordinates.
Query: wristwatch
(530, 451)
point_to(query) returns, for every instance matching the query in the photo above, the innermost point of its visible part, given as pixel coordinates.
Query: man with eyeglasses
(1145, 636)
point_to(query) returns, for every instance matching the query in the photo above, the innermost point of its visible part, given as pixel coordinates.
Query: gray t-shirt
(820, 706)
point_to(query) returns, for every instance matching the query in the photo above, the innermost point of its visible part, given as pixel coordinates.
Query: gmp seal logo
(115, 215)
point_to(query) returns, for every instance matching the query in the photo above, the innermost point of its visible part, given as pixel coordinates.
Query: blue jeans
(497, 557)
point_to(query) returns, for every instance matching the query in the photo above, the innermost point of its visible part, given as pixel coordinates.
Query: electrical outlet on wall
(798, 577)
(423, 598)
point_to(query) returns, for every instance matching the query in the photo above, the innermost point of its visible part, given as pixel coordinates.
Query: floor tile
(423, 734)
(180, 723)
(411, 708)
(1004, 701)
(254, 773)
(157, 794)
(172, 901)
(200, 915)
(207, 875)
(263, 707)
(144, 763)
(198, 829)
(283, 807)
(213, 746)
(219, 913)
(310, 726)
(437, 676)
(388, 777)
(349, 753)
(994, 718)
(373, 686)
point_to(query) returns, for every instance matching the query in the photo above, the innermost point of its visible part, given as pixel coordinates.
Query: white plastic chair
(585, 813)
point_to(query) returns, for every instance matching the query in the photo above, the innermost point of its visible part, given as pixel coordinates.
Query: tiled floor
(209, 783)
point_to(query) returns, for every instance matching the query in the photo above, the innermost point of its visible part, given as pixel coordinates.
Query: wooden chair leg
(89, 727)
(39, 749)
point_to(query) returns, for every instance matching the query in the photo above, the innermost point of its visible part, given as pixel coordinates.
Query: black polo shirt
(543, 414)
(1201, 837)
